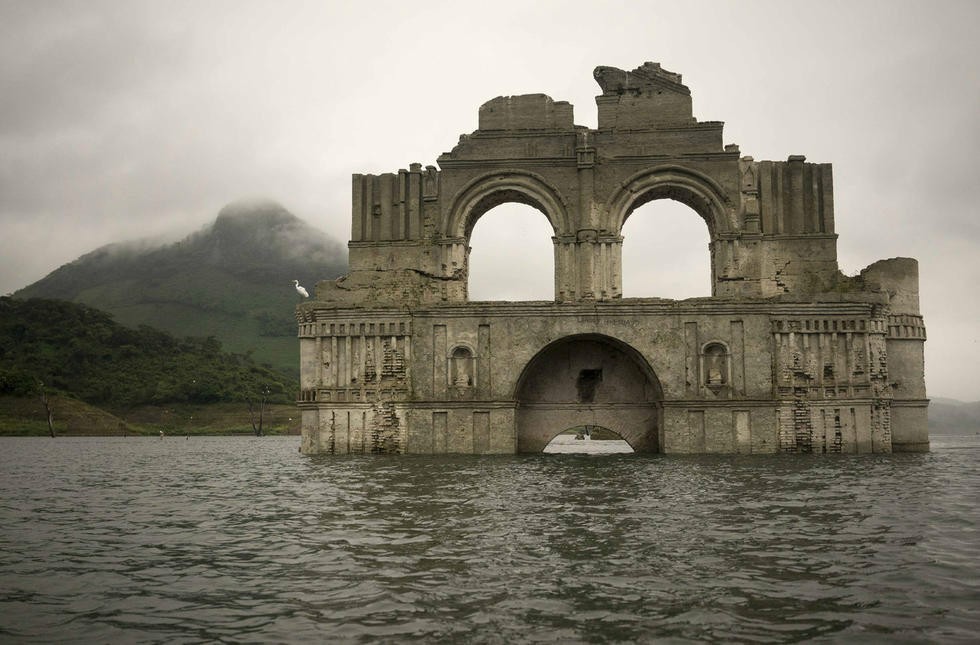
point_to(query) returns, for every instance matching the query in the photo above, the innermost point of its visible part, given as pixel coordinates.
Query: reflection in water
(244, 539)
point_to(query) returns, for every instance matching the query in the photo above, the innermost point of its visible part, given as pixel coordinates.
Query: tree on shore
(46, 402)
(256, 400)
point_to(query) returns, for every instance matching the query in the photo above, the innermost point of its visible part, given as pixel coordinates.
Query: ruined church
(786, 355)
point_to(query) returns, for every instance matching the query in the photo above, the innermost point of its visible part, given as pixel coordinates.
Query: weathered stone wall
(788, 355)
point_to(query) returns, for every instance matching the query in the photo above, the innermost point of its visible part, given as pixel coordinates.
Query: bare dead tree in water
(47, 407)
(257, 404)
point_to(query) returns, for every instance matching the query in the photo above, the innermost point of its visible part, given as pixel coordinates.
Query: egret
(300, 290)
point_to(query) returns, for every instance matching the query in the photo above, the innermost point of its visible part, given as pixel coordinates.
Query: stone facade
(787, 355)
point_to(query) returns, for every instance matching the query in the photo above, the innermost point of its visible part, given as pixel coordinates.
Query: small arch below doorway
(588, 440)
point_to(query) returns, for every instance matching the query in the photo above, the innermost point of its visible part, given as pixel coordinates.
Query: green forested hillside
(231, 280)
(81, 351)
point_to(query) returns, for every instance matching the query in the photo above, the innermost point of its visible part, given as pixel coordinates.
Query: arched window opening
(512, 256)
(461, 368)
(666, 252)
(714, 365)
(590, 440)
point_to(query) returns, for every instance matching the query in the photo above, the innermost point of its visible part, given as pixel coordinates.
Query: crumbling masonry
(787, 355)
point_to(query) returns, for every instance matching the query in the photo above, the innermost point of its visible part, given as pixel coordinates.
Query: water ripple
(231, 540)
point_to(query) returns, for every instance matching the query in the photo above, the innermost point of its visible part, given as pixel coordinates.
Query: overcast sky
(127, 119)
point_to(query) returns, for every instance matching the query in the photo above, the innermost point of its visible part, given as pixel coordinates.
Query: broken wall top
(526, 112)
(647, 97)
(640, 112)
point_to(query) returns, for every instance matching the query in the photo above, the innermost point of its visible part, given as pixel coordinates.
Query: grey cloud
(70, 67)
(125, 119)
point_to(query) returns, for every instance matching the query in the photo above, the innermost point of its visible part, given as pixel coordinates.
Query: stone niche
(787, 355)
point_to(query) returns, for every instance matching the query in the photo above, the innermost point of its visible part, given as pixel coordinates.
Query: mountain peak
(233, 279)
(261, 232)
(253, 211)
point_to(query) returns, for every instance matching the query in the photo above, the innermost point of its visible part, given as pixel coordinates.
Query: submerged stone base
(695, 376)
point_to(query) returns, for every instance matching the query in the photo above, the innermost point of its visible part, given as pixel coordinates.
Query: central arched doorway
(588, 380)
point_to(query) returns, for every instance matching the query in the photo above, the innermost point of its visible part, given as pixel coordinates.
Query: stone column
(612, 268)
(586, 241)
(589, 264)
(566, 271)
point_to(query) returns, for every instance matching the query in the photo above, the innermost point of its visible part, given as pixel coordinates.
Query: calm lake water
(245, 540)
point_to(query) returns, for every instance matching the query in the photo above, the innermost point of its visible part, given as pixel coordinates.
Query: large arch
(690, 187)
(510, 256)
(685, 185)
(588, 379)
(491, 189)
(665, 252)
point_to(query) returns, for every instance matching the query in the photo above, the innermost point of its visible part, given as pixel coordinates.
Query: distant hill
(949, 416)
(231, 280)
(81, 351)
(26, 416)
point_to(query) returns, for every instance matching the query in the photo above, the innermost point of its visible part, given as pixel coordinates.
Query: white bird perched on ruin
(300, 290)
